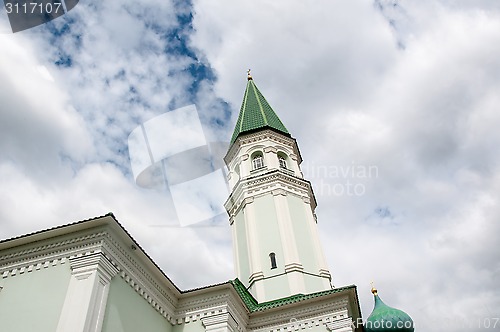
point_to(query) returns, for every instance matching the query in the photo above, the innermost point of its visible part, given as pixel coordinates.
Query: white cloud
(37, 120)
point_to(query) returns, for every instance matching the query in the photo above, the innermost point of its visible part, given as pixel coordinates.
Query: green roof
(252, 304)
(256, 113)
(385, 319)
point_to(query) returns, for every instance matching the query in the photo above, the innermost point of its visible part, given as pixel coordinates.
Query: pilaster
(320, 257)
(245, 166)
(220, 323)
(85, 302)
(271, 157)
(254, 258)
(290, 252)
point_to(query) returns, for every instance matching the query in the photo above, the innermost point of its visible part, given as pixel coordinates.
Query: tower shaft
(271, 207)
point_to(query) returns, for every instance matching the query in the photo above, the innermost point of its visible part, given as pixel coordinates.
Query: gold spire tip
(374, 290)
(249, 76)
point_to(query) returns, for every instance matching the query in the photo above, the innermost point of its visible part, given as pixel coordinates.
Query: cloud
(37, 121)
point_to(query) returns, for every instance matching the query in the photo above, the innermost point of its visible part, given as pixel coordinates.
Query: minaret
(276, 246)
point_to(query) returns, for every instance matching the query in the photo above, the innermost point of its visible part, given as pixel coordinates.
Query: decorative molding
(83, 265)
(258, 136)
(195, 308)
(294, 267)
(189, 308)
(18, 269)
(279, 191)
(270, 149)
(48, 249)
(248, 200)
(265, 184)
(256, 276)
(325, 273)
(223, 322)
(341, 325)
(327, 309)
(258, 171)
(336, 320)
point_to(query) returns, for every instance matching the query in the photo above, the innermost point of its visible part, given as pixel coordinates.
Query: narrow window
(272, 256)
(257, 161)
(282, 161)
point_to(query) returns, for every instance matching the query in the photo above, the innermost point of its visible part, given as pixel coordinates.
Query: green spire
(385, 319)
(256, 113)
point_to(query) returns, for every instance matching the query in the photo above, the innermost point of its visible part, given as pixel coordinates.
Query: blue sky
(410, 88)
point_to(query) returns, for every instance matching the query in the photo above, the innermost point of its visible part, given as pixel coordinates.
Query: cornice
(45, 251)
(330, 320)
(196, 307)
(306, 313)
(259, 136)
(15, 270)
(274, 182)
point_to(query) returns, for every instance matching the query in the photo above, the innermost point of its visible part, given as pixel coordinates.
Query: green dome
(384, 318)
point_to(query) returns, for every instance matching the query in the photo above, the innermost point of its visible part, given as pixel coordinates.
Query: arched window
(257, 160)
(282, 159)
(272, 257)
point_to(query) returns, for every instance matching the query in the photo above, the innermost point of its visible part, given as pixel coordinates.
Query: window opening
(272, 256)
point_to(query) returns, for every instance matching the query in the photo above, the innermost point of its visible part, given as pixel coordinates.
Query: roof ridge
(242, 109)
(256, 92)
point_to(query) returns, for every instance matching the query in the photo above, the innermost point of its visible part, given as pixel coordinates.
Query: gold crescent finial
(249, 75)
(374, 290)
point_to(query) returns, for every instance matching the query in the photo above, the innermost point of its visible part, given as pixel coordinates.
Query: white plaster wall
(127, 311)
(32, 301)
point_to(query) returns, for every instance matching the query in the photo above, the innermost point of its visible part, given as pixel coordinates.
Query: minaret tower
(271, 207)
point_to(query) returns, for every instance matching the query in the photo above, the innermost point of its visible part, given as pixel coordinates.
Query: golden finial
(374, 290)
(249, 77)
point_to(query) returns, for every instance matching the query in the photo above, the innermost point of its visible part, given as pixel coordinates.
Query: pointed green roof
(256, 113)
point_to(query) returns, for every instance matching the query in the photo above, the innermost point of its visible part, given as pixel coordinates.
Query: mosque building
(92, 276)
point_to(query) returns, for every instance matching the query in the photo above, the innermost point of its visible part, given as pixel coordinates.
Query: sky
(394, 105)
